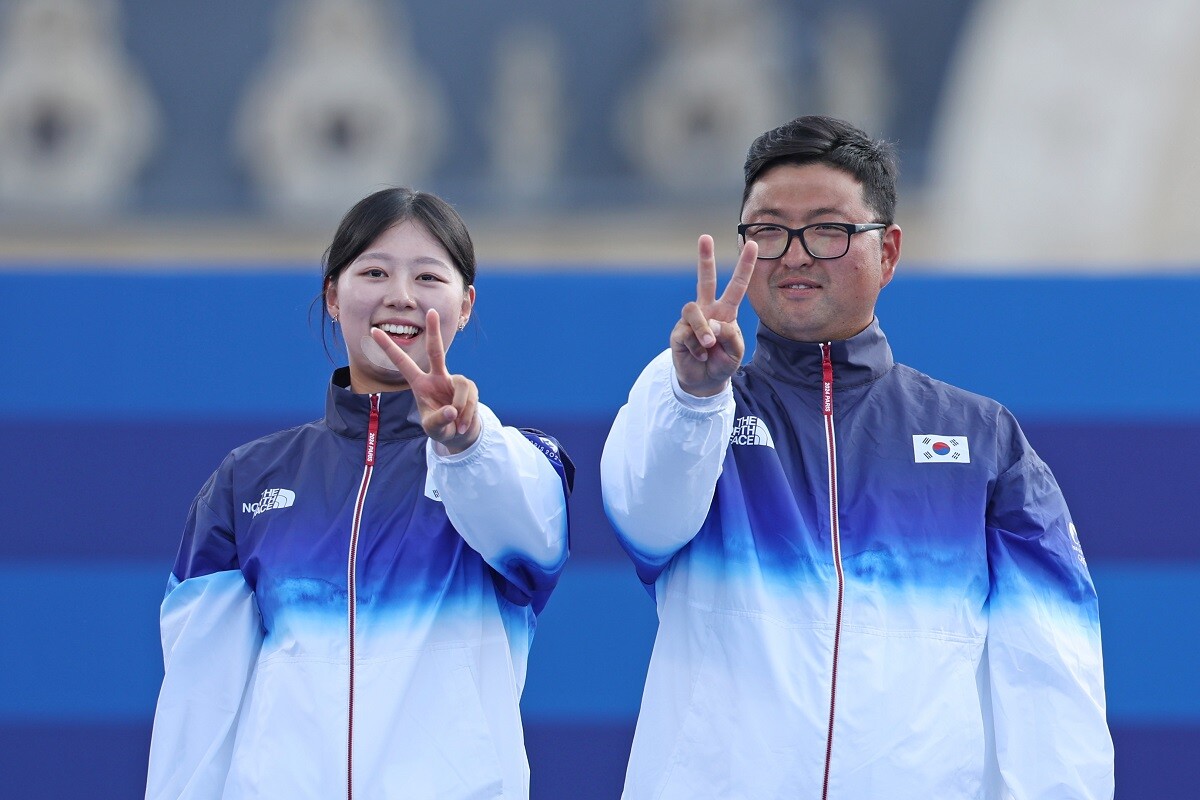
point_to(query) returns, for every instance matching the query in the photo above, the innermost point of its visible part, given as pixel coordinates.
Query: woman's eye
(374, 273)
(428, 276)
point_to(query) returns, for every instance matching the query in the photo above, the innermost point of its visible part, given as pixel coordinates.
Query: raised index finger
(404, 364)
(706, 272)
(739, 282)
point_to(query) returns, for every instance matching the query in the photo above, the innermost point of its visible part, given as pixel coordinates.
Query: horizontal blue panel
(121, 489)
(71, 761)
(1129, 486)
(583, 667)
(1061, 348)
(81, 643)
(592, 647)
(1156, 761)
(80, 640)
(112, 491)
(1151, 641)
(580, 760)
(186, 344)
(138, 346)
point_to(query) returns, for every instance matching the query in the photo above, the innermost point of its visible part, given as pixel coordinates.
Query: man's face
(818, 300)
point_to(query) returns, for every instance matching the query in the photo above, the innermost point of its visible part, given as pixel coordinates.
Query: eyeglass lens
(821, 241)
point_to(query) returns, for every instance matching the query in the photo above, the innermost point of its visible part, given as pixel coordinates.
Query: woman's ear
(331, 303)
(468, 304)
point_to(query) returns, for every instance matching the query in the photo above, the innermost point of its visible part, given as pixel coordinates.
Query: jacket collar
(862, 358)
(348, 414)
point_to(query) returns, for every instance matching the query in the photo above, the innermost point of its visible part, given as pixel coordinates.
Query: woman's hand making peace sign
(706, 344)
(447, 403)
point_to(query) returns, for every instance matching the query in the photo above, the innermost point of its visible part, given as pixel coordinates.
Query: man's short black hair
(826, 140)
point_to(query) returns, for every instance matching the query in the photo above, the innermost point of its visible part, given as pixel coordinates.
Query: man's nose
(795, 255)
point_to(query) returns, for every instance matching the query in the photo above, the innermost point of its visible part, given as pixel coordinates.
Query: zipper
(835, 536)
(352, 583)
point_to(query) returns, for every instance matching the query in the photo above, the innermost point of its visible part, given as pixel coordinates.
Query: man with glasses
(868, 583)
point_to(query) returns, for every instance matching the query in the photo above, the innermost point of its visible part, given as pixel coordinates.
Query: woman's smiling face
(391, 286)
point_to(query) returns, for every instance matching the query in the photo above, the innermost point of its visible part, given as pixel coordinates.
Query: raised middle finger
(433, 343)
(466, 397)
(706, 271)
(739, 282)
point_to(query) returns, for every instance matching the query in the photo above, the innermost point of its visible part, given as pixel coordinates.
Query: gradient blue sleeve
(506, 495)
(211, 636)
(1043, 646)
(660, 465)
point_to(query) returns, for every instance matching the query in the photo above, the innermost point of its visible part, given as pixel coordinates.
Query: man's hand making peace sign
(447, 403)
(706, 344)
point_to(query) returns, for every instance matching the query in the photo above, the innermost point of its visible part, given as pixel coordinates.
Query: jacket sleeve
(506, 495)
(211, 636)
(660, 465)
(1043, 644)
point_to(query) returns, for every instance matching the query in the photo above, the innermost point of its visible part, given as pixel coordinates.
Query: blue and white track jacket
(351, 612)
(868, 586)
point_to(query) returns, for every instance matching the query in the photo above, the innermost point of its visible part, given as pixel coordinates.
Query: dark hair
(825, 140)
(376, 213)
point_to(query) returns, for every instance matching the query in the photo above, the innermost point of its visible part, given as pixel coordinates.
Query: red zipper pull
(373, 431)
(827, 378)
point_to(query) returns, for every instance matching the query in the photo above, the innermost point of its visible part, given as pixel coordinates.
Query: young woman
(354, 599)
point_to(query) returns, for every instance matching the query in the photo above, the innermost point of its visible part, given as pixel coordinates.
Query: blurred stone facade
(1033, 132)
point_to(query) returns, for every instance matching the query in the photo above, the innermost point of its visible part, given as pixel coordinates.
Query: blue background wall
(123, 390)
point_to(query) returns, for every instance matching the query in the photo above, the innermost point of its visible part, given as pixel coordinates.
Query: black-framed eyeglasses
(820, 240)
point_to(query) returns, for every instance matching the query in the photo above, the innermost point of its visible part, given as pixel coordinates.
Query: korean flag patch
(931, 448)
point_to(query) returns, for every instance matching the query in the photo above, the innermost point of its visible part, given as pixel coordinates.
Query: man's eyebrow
(824, 211)
(768, 212)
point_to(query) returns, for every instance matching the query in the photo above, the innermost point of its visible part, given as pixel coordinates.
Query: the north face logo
(271, 498)
(751, 430)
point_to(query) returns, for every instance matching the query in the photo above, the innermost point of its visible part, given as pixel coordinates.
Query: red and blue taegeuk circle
(941, 448)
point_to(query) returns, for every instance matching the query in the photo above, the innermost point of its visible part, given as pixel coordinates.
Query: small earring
(462, 323)
(335, 320)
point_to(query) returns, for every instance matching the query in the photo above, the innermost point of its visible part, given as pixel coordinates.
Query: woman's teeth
(399, 330)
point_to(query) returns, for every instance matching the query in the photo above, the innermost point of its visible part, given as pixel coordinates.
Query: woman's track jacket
(350, 613)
